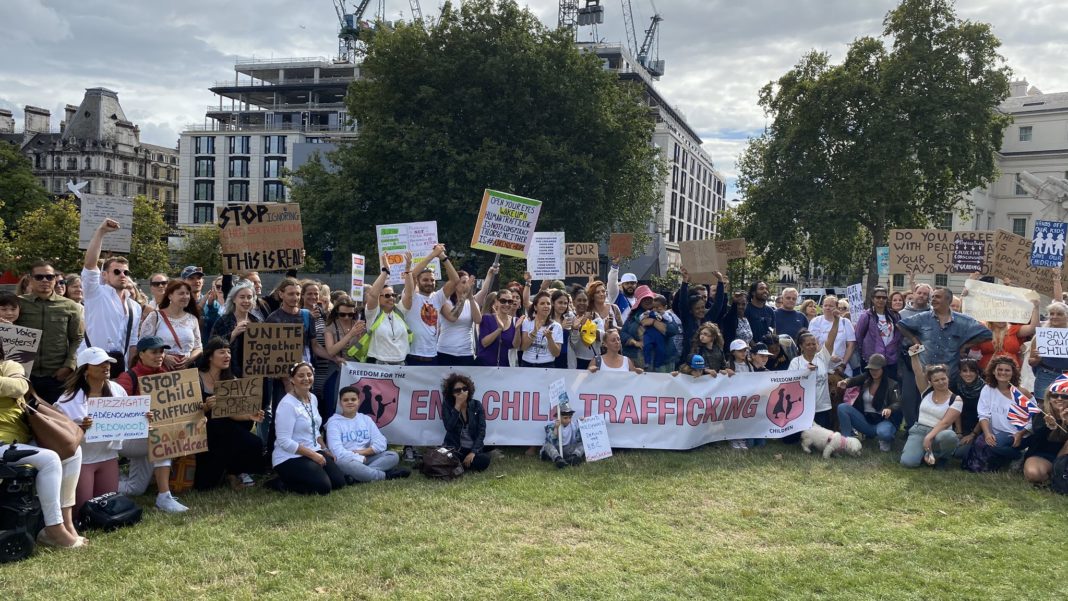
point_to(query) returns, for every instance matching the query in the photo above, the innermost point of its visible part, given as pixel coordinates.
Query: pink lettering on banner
(692, 407)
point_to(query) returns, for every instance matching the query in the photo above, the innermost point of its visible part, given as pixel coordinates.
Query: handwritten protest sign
(1051, 342)
(117, 418)
(734, 248)
(1012, 261)
(558, 393)
(20, 345)
(882, 257)
(931, 251)
(968, 256)
(545, 261)
(270, 348)
(358, 271)
(418, 238)
(243, 396)
(581, 259)
(1047, 244)
(994, 302)
(855, 294)
(260, 237)
(620, 245)
(177, 439)
(506, 224)
(700, 259)
(95, 209)
(595, 438)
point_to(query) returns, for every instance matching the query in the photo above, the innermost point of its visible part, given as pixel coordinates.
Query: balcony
(276, 127)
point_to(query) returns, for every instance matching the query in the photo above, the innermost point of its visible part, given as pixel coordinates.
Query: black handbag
(1059, 479)
(109, 511)
(20, 510)
(442, 463)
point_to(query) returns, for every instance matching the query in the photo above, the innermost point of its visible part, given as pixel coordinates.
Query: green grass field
(772, 523)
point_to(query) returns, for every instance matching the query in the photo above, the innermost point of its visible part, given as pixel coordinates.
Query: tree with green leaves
(485, 97)
(49, 232)
(148, 247)
(893, 137)
(20, 192)
(200, 246)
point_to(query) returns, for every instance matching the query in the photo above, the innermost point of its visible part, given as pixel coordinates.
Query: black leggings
(232, 449)
(479, 463)
(303, 476)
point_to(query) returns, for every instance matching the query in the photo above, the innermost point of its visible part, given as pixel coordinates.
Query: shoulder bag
(51, 428)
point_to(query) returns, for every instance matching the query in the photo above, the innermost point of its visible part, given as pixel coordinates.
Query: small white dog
(829, 442)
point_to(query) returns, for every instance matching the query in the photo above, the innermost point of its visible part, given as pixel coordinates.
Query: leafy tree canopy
(20, 192)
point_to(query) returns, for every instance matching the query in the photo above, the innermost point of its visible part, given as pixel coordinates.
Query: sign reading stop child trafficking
(178, 422)
(506, 224)
(261, 237)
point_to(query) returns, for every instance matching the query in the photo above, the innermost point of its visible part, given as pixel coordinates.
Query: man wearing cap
(60, 322)
(874, 411)
(566, 435)
(621, 289)
(111, 318)
(194, 276)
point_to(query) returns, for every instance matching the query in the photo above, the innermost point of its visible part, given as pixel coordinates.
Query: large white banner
(655, 411)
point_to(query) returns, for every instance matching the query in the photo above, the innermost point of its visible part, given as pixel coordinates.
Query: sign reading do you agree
(261, 237)
(506, 224)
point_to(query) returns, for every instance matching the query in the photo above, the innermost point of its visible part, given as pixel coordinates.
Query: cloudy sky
(161, 57)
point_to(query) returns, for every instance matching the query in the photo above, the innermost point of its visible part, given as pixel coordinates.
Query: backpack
(359, 350)
(1059, 479)
(442, 463)
(109, 511)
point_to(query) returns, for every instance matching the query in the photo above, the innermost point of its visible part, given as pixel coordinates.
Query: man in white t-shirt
(111, 319)
(422, 305)
(846, 341)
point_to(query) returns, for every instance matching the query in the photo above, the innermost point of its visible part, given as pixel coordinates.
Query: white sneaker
(884, 446)
(739, 444)
(166, 502)
(247, 480)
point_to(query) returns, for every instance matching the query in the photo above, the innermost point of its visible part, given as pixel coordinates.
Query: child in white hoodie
(358, 446)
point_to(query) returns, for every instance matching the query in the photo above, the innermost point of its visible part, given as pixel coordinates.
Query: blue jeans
(1043, 378)
(944, 444)
(869, 424)
(1004, 447)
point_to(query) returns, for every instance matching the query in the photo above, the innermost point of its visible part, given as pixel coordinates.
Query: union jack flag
(1021, 409)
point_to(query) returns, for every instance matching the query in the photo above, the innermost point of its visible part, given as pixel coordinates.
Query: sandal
(46, 541)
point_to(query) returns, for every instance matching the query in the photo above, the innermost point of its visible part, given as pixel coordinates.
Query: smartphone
(917, 351)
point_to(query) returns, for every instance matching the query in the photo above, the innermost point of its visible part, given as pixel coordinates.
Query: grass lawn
(772, 523)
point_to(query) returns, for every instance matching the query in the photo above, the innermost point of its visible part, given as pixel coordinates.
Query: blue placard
(883, 258)
(1047, 246)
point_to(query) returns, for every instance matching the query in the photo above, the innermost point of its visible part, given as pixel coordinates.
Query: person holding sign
(1007, 339)
(1002, 437)
(60, 322)
(465, 422)
(233, 449)
(621, 294)
(111, 318)
(148, 361)
(390, 338)
(817, 357)
(358, 446)
(231, 326)
(540, 337)
(425, 320)
(461, 312)
(588, 331)
(177, 322)
(562, 433)
(100, 460)
(300, 457)
(1048, 369)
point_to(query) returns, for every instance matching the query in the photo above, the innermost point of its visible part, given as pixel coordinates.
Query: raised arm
(917, 369)
(833, 333)
(1028, 329)
(1058, 288)
(92, 254)
(371, 300)
(450, 271)
(488, 284)
(409, 280)
(612, 289)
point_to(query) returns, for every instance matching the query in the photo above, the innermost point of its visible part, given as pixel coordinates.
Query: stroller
(20, 510)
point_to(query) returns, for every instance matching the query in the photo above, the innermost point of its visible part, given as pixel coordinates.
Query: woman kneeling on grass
(465, 422)
(358, 446)
(303, 464)
(1001, 441)
(932, 438)
(1050, 439)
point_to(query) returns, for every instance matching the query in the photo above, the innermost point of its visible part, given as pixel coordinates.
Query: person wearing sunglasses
(876, 331)
(1050, 438)
(497, 330)
(391, 337)
(342, 331)
(60, 322)
(111, 317)
(465, 422)
(157, 284)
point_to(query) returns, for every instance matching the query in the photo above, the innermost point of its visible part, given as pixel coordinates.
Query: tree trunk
(878, 237)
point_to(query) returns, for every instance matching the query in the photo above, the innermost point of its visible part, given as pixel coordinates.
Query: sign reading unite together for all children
(178, 422)
(270, 348)
(261, 237)
(1047, 245)
(506, 224)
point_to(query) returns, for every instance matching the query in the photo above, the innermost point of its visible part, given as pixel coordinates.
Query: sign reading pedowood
(505, 224)
(271, 348)
(117, 418)
(581, 259)
(94, 210)
(260, 237)
(243, 396)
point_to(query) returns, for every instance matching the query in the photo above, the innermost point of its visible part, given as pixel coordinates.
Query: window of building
(141, 169)
(107, 188)
(240, 144)
(155, 193)
(274, 144)
(1025, 133)
(273, 191)
(238, 192)
(239, 167)
(203, 213)
(899, 280)
(72, 164)
(205, 167)
(671, 228)
(674, 203)
(204, 190)
(1019, 226)
(941, 279)
(978, 219)
(947, 221)
(1019, 188)
(272, 167)
(57, 185)
(88, 163)
(155, 171)
(125, 189)
(168, 196)
(204, 144)
(141, 188)
(125, 168)
(169, 173)
(675, 177)
(88, 187)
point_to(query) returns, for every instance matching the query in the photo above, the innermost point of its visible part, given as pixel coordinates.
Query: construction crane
(350, 24)
(572, 17)
(417, 11)
(653, 65)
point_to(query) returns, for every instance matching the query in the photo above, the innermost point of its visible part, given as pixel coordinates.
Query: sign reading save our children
(506, 224)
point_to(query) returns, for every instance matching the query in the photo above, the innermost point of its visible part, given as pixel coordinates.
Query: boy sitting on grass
(563, 431)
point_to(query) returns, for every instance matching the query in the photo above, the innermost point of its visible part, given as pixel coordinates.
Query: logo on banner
(786, 403)
(378, 399)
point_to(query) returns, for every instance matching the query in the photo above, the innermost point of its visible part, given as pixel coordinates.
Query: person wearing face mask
(60, 322)
(111, 317)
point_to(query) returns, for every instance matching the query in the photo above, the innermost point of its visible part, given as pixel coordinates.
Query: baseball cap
(151, 342)
(628, 277)
(191, 270)
(762, 349)
(739, 345)
(876, 361)
(94, 356)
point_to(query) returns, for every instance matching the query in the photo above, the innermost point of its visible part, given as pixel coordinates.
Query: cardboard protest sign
(95, 208)
(271, 348)
(418, 238)
(243, 396)
(931, 251)
(581, 259)
(882, 258)
(595, 438)
(1047, 244)
(1051, 342)
(700, 259)
(1012, 261)
(855, 294)
(620, 245)
(505, 224)
(968, 256)
(20, 344)
(172, 440)
(117, 418)
(176, 396)
(358, 271)
(994, 302)
(260, 237)
(545, 260)
(734, 248)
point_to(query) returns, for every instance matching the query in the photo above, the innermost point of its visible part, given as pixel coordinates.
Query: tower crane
(651, 43)
(417, 11)
(350, 25)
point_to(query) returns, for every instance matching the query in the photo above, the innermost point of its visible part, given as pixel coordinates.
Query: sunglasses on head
(44, 277)
(125, 272)
(460, 389)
